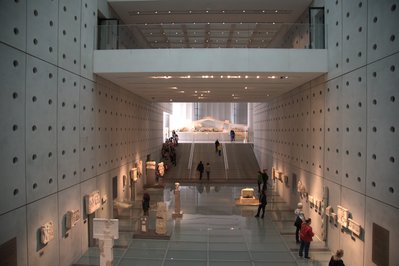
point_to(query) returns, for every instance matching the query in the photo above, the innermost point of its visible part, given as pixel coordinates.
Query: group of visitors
(304, 236)
(201, 168)
(169, 151)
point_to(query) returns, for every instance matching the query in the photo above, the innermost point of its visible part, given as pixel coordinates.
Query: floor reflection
(212, 231)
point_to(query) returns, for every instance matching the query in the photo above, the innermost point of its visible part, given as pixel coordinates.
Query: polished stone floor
(212, 231)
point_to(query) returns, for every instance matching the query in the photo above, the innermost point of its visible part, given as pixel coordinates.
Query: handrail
(190, 160)
(210, 35)
(226, 161)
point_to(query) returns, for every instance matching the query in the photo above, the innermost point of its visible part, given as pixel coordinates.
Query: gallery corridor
(213, 231)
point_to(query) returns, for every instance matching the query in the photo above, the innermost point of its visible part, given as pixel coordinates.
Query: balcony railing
(210, 35)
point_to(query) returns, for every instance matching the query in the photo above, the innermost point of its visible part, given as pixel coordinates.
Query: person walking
(265, 177)
(336, 260)
(259, 180)
(262, 204)
(220, 149)
(306, 235)
(208, 170)
(300, 218)
(216, 145)
(200, 169)
(146, 203)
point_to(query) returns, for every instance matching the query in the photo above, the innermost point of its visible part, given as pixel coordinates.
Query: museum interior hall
(153, 132)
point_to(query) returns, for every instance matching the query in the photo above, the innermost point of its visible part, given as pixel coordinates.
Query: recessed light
(276, 11)
(246, 76)
(169, 12)
(156, 12)
(138, 12)
(170, 100)
(243, 11)
(245, 88)
(257, 77)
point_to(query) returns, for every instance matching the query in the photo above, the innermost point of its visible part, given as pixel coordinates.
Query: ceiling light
(245, 88)
(222, 11)
(263, 11)
(170, 100)
(232, 95)
(209, 91)
(206, 11)
(221, 76)
(246, 76)
(138, 12)
(195, 91)
(276, 11)
(267, 95)
(169, 12)
(181, 91)
(274, 23)
(156, 12)
(243, 11)
(257, 77)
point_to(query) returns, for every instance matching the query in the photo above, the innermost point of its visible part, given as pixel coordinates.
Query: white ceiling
(209, 24)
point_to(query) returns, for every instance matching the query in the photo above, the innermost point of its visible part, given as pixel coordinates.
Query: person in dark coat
(216, 145)
(200, 169)
(336, 260)
(146, 203)
(262, 204)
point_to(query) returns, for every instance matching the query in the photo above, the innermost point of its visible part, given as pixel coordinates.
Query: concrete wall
(339, 131)
(64, 132)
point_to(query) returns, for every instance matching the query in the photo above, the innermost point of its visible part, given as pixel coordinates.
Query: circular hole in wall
(392, 38)
(14, 128)
(392, 68)
(359, 179)
(34, 186)
(374, 157)
(16, 31)
(393, 7)
(373, 184)
(392, 159)
(15, 192)
(391, 190)
(50, 181)
(374, 129)
(15, 63)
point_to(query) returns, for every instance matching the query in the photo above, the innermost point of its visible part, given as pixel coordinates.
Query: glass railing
(210, 35)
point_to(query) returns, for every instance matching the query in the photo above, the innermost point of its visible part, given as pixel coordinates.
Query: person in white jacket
(300, 218)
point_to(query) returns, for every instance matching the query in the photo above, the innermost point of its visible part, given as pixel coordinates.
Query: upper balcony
(209, 35)
(210, 62)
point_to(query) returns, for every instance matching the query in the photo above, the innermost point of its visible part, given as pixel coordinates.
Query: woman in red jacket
(306, 235)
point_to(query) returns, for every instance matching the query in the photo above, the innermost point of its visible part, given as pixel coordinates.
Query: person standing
(306, 235)
(208, 170)
(262, 204)
(336, 260)
(300, 218)
(146, 203)
(200, 169)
